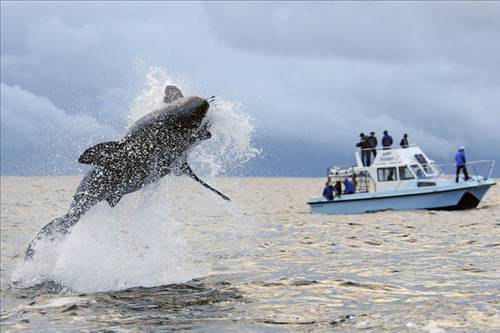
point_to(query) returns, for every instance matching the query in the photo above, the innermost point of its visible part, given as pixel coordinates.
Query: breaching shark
(155, 146)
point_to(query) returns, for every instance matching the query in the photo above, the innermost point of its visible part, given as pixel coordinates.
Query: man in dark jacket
(372, 144)
(338, 188)
(386, 141)
(460, 162)
(365, 152)
(404, 141)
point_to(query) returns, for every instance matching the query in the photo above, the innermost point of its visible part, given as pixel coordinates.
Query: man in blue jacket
(460, 161)
(386, 141)
(329, 190)
(348, 186)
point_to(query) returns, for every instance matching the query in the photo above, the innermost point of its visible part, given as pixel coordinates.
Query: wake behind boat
(404, 179)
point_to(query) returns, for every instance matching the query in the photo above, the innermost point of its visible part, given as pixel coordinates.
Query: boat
(405, 179)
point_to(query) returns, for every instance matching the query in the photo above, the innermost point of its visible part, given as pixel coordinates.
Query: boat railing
(482, 168)
(340, 170)
(388, 148)
(363, 182)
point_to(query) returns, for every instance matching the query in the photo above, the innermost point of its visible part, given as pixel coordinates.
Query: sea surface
(174, 256)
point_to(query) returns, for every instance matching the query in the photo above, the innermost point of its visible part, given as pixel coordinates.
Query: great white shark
(155, 146)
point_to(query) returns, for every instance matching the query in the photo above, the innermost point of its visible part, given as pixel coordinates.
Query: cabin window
(386, 174)
(405, 173)
(418, 171)
(424, 163)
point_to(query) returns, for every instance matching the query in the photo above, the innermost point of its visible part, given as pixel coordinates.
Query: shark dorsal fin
(102, 154)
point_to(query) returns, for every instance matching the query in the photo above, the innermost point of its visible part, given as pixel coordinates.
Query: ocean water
(174, 256)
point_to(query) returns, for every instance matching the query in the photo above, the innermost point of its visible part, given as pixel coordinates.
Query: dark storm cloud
(430, 69)
(84, 60)
(312, 75)
(387, 32)
(38, 137)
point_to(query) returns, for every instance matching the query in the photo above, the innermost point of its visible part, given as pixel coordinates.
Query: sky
(312, 75)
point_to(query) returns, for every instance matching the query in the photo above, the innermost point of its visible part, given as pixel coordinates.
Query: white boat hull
(454, 197)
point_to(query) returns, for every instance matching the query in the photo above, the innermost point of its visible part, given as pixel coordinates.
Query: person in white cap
(460, 161)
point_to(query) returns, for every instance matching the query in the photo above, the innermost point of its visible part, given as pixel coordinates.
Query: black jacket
(372, 141)
(404, 142)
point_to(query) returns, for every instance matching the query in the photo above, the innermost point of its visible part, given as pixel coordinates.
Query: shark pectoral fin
(101, 154)
(186, 169)
(114, 199)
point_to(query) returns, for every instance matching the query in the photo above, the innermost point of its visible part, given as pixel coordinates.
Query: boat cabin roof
(396, 157)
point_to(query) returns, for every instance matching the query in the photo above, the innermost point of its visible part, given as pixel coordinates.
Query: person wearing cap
(404, 141)
(386, 140)
(460, 162)
(365, 152)
(372, 144)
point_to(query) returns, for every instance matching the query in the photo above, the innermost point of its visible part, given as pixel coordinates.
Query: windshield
(425, 164)
(405, 173)
(417, 171)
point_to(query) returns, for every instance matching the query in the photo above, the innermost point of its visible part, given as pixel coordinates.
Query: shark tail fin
(56, 229)
(102, 154)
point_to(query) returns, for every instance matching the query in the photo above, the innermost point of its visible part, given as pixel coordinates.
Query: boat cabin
(392, 169)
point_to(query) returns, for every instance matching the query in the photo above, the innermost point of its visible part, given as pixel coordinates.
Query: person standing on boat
(328, 190)
(404, 141)
(386, 140)
(460, 161)
(372, 144)
(365, 152)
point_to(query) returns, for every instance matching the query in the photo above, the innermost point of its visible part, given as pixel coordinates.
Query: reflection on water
(271, 266)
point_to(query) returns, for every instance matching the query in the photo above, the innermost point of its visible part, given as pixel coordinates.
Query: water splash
(151, 95)
(231, 145)
(136, 243)
(141, 241)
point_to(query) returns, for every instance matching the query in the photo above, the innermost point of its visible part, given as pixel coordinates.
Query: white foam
(141, 241)
(231, 128)
(136, 243)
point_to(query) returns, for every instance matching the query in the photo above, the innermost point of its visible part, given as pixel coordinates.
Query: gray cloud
(429, 69)
(393, 31)
(39, 138)
(312, 75)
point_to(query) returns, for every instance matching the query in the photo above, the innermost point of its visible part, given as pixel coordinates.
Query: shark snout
(197, 108)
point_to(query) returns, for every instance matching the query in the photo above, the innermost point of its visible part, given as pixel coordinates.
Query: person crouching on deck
(348, 186)
(329, 190)
(338, 188)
